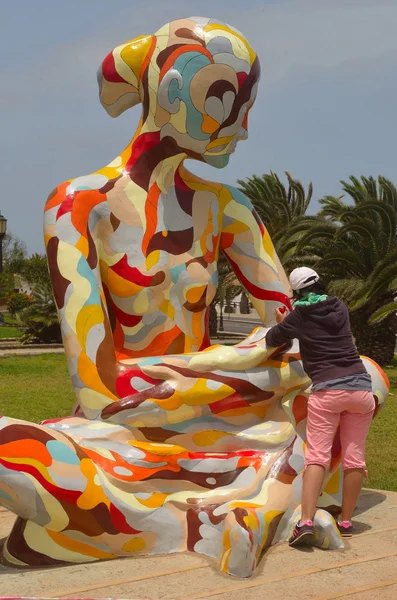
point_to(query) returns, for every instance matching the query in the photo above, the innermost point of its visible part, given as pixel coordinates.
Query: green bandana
(310, 299)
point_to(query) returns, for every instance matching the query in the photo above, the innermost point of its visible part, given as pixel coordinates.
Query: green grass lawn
(35, 387)
(9, 332)
(38, 387)
(382, 441)
(9, 319)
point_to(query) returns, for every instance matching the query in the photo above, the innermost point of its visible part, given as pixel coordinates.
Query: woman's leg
(322, 424)
(312, 484)
(354, 427)
(352, 484)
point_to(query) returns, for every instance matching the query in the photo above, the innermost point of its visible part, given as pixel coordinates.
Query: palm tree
(244, 303)
(228, 288)
(40, 318)
(213, 320)
(356, 246)
(282, 210)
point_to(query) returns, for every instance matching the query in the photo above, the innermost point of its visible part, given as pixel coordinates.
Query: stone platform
(365, 569)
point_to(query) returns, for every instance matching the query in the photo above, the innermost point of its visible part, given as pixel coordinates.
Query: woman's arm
(285, 331)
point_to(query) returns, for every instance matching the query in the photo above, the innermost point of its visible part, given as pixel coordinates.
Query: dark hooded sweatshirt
(325, 340)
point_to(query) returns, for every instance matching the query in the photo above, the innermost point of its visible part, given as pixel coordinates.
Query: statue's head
(196, 79)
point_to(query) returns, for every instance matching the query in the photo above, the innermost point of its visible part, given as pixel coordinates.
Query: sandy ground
(365, 569)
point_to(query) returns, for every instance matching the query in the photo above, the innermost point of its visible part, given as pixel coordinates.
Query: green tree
(356, 247)
(40, 319)
(18, 301)
(228, 288)
(283, 211)
(213, 320)
(14, 254)
(34, 270)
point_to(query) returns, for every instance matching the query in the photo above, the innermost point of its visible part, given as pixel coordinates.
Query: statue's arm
(249, 249)
(79, 296)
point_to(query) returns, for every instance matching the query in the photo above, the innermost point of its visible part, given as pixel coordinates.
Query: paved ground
(367, 568)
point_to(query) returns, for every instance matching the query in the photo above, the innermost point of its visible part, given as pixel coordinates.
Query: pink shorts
(326, 410)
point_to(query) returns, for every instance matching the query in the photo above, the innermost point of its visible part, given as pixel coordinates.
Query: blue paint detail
(176, 271)
(84, 269)
(215, 278)
(205, 423)
(188, 65)
(62, 453)
(81, 188)
(150, 360)
(239, 196)
(5, 496)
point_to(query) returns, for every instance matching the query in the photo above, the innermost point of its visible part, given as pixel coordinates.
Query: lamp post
(3, 230)
(221, 302)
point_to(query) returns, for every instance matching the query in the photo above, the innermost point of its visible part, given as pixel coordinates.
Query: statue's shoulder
(225, 192)
(57, 196)
(81, 194)
(238, 196)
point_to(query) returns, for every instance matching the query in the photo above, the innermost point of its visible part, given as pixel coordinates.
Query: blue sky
(326, 108)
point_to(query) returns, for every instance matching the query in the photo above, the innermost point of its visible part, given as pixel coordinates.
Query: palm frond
(382, 313)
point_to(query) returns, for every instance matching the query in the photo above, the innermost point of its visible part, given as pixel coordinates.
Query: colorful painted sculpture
(173, 445)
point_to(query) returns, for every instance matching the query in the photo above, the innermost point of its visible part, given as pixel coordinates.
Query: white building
(21, 286)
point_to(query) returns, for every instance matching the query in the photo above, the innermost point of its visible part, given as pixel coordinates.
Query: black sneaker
(345, 528)
(303, 535)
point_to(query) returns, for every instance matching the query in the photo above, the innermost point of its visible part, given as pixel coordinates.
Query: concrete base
(365, 569)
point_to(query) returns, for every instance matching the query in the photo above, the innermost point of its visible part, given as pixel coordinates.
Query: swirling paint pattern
(173, 445)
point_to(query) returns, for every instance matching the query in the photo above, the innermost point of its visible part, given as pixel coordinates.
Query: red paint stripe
(109, 70)
(123, 269)
(126, 319)
(226, 455)
(142, 144)
(241, 77)
(228, 404)
(66, 206)
(258, 292)
(119, 521)
(61, 494)
(180, 183)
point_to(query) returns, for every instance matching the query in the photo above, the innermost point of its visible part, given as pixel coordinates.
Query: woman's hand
(281, 314)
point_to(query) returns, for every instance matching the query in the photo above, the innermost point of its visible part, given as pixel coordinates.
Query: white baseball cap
(302, 278)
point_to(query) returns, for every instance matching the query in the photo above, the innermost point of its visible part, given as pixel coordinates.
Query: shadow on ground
(369, 499)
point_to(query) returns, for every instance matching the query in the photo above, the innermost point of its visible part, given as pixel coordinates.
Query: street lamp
(3, 230)
(221, 302)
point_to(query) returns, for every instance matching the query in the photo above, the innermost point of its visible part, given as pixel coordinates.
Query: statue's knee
(18, 493)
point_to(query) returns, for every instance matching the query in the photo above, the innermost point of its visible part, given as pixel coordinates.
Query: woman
(341, 394)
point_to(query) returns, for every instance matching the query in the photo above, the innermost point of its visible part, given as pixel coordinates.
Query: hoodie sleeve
(284, 332)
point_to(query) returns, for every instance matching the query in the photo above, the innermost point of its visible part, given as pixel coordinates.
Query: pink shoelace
(344, 523)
